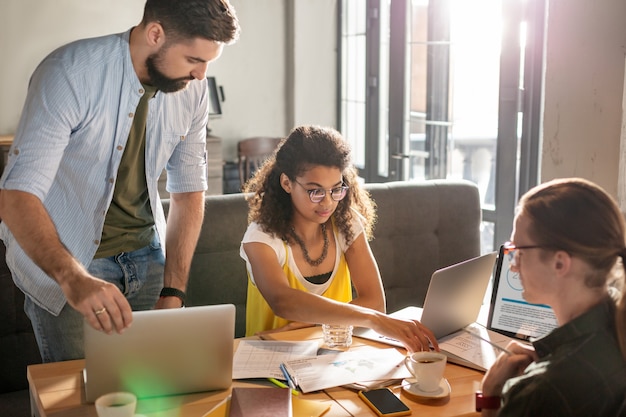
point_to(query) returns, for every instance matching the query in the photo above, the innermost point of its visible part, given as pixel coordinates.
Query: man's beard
(161, 81)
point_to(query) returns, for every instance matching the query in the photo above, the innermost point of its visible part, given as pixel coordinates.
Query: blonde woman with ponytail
(567, 240)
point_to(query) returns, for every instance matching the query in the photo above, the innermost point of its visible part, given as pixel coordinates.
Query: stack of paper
(364, 366)
(262, 358)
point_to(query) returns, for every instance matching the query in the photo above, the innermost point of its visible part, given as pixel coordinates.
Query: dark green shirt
(128, 225)
(580, 372)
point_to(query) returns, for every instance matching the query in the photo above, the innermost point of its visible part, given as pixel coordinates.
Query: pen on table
(508, 352)
(291, 374)
(281, 385)
(283, 369)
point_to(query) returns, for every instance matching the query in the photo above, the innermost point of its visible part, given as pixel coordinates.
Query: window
(445, 89)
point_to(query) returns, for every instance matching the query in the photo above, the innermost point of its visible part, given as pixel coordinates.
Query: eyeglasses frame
(344, 191)
(509, 248)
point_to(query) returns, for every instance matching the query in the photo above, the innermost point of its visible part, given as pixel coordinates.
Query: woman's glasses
(512, 250)
(318, 194)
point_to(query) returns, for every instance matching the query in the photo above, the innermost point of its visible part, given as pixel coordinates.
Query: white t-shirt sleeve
(254, 233)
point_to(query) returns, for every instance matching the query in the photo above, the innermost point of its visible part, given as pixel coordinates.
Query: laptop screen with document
(509, 313)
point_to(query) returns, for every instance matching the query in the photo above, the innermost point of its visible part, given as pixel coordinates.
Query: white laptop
(164, 352)
(453, 300)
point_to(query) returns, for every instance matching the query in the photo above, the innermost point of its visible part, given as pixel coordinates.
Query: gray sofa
(422, 226)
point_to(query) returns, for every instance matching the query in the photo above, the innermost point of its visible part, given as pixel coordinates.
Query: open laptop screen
(509, 313)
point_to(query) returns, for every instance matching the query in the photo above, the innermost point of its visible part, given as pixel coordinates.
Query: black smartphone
(384, 402)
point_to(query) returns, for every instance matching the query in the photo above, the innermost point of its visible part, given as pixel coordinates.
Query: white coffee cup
(427, 368)
(337, 335)
(116, 404)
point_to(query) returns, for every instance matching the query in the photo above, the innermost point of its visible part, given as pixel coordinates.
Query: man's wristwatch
(487, 403)
(173, 292)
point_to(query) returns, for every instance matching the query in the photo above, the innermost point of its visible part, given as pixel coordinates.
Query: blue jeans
(138, 274)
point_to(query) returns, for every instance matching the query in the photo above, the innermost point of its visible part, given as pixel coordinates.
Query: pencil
(281, 385)
(508, 352)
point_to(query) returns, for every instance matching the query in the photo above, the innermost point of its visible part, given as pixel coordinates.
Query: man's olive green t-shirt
(129, 222)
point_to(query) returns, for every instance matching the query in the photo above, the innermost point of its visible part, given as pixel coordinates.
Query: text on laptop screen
(510, 313)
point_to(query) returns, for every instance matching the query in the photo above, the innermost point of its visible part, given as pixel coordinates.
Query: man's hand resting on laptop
(411, 333)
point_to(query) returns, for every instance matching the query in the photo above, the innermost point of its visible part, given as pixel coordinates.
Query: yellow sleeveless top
(259, 315)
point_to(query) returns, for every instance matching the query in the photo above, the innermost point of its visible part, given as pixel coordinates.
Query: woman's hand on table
(411, 333)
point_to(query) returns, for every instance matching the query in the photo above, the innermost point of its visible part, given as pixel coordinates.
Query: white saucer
(410, 387)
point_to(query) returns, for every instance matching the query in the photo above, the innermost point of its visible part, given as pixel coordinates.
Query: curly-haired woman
(306, 247)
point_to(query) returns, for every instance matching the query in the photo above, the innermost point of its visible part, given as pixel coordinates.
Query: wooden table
(57, 390)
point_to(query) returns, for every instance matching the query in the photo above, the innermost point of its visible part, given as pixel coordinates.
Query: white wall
(279, 74)
(282, 71)
(584, 88)
(314, 57)
(253, 75)
(30, 29)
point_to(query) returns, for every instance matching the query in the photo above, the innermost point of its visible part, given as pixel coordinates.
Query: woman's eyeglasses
(318, 194)
(511, 249)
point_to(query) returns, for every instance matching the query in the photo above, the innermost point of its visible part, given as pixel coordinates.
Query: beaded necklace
(305, 252)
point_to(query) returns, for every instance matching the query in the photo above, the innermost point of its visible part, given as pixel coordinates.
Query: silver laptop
(164, 352)
(453, 300)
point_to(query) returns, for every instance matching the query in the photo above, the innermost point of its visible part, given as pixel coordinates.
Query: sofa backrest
(422, 226)
(218, 274)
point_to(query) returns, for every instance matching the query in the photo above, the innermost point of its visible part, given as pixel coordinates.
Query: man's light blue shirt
(70, 140)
